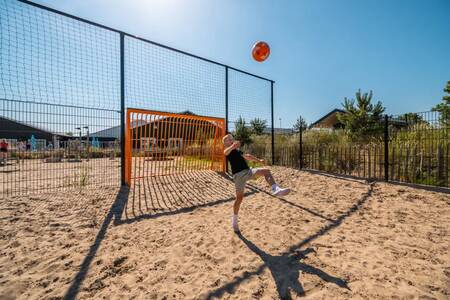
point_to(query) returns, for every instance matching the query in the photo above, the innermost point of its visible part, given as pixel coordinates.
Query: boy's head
(228, 140)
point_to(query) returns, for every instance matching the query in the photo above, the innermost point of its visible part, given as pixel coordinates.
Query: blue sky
(322, 51)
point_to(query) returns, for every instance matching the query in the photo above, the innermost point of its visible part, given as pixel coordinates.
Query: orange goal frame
(150, 134)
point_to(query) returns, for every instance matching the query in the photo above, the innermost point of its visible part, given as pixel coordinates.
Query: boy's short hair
(226, 136)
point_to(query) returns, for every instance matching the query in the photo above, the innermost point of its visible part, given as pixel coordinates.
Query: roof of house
(114, 132)
(325, 117)
(28, 126)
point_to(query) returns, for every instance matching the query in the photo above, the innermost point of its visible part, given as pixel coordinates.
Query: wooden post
(301, 148)
(440, 159)
(386, 148)
(446, 168)
(359, 162)
(320, 157)
(414, 165)
(374, 161)
(399, 165)
(430, 155)
(392, 163)
(406, 171)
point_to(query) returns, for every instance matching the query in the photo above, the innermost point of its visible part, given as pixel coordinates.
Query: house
(167, 132)
(328, 121)
(112, 133)
(14, 131)
(162, 132)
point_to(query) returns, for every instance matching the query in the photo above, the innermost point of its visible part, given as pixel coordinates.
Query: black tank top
(237, 161)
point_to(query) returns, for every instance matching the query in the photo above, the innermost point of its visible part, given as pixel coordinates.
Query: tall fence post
(122, 108)
(226, 110)
(226, 99)
(301, 147)
(273, 131)
(386, 148)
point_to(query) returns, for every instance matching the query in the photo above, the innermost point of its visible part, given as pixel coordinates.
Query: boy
(242, 173)
(3, 151)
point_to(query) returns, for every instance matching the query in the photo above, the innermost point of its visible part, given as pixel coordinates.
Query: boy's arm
(227, 151)
(253, 158)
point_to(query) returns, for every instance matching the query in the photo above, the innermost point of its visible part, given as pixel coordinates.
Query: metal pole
(226, 111)
(273, 132)
(79, 143)
(386, 148)
(301, 147)
(122, 108)
(226, 99)
(87, 141)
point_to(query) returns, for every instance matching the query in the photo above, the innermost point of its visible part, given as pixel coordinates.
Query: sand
(170, 238)
(35, 175)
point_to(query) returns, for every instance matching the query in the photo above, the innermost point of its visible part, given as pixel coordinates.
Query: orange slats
(161, 143)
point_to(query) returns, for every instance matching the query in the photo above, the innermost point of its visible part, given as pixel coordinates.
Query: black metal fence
(65, 86)
(410, 148)
(419, 148)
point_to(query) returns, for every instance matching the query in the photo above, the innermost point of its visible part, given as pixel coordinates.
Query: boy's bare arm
(253, 158)
(227, 151)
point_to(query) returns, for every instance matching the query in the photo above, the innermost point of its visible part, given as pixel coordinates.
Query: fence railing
(410, 148)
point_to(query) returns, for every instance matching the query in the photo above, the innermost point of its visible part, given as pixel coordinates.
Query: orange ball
(260, 51)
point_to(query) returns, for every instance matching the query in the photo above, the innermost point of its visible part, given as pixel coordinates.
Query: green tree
(242, 132)
(300, 124)
(258, 126)
(444, 107)
(362, 118)
(412, 118)
(187, 112)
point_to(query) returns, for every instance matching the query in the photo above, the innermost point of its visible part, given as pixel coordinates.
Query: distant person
(3, 151)
(22, 147)
(242, 173)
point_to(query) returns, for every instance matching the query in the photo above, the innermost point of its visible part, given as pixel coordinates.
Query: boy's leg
(276, 190)
(267, 175)
(237, 202)
(236, 206)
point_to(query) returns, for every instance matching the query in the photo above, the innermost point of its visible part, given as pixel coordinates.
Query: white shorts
(241, 178)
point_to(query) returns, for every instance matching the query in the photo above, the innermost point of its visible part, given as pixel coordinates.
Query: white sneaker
(280, 191)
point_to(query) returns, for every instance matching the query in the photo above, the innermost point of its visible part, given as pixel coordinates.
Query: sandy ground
(35, 175)
(31, 176)
(171, 238)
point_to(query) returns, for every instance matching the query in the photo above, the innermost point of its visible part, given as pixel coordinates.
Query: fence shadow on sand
(170, 195)
(153, 197)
